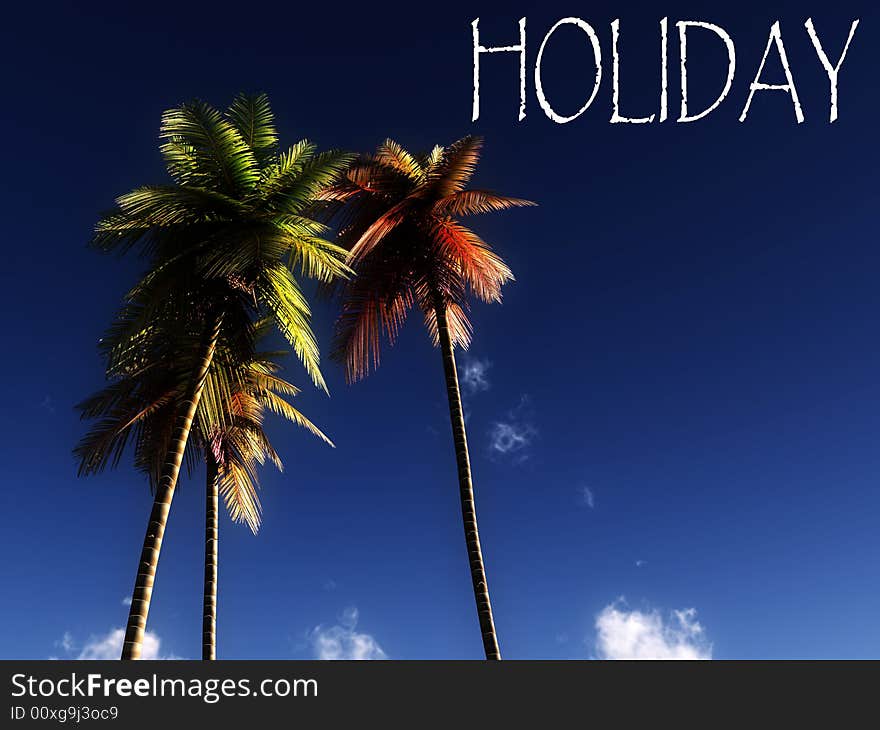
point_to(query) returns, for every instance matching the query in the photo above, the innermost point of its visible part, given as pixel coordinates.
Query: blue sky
(674, 427)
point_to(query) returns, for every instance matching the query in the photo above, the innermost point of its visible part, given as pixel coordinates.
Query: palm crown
(400, 223)
(235, 449)
(141, 411)
(226, 237)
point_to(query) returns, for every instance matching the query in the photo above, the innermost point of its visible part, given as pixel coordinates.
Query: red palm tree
(400, 223)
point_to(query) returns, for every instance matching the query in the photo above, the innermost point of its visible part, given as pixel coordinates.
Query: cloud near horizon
(625, 634)
(109, 646)
(342, 641)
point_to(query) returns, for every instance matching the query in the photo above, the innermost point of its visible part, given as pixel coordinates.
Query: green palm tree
(400, 222)
(223, 241)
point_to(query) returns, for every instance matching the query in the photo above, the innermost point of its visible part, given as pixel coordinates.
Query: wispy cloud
(66, 642)
(588, 499)
(48, 405)
(343, 641)
(641, 563)
(109, 646)
(126, 601)
(474, 375)
(329, 585)
(511, 436)
(508, 438)
(626, 634)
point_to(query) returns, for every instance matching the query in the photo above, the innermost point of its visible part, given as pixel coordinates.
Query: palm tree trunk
(209, 619)
(466, 490)
(146, 573)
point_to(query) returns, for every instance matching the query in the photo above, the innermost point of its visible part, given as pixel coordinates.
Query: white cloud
(329, 585)
(641, 563)
(109, 646)
(66, 642)
(508, 438)
(342, 641)
(587, 497)
(126, 601)
(349, 617)
(474, 375)
(513, 435)
(625, 634)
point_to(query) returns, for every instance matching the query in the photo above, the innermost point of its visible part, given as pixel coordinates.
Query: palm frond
(281, 407)
(474, 202)
(481, 269)
(221, 156)
(456, 165)
(283, 298)
(237, 484)
(391, 154)
(252, 116)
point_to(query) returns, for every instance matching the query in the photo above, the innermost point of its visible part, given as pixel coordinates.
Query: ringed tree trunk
(149, 560)
(209, 618)
(466, 489)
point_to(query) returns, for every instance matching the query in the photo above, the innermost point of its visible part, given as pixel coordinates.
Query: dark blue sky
(692, 337)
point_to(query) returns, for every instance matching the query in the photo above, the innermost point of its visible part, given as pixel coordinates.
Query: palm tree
(232, 450)
(222, 241)
(400, 222)
(232, 453)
